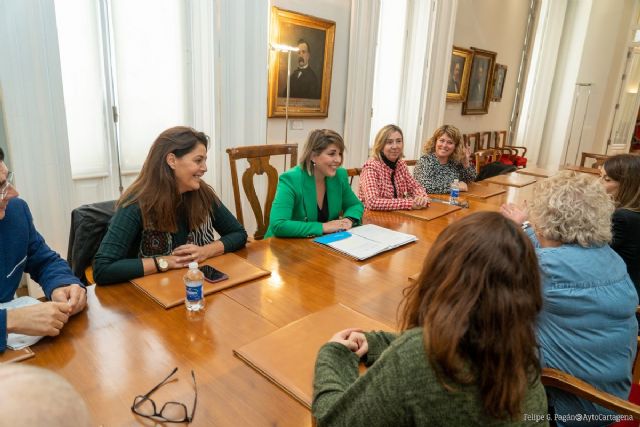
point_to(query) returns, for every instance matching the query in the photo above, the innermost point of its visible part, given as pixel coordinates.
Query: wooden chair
(485, 141)
(258, 157)
(352, 173)
(484, 157)
(570, 384)
(598, 160)
(519, 156)
(472, 140)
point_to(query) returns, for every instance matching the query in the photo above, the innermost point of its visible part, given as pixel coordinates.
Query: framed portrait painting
(309, 79)
(499, 76)
(478, 94)
(459, 74)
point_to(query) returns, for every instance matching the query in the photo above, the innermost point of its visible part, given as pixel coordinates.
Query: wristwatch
(161, 263)
(526, 225)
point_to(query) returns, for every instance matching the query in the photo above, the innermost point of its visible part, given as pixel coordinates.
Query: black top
(626, 241)
(391, 165)
(323, 214)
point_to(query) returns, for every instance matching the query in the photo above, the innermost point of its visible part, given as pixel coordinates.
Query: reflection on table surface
(124, 343)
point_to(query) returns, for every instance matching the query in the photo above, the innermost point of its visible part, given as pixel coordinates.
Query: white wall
(31, 85)
(592, 51)
(604, 66)
(498, 26)
(338, 11)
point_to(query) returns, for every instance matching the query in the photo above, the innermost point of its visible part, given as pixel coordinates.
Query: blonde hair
(453, 133)
(317, 141)
(381, 140)
(572, 208)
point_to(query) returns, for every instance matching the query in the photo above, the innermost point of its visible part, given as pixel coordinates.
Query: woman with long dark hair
(168, 216)
(467, 351)
(621, 178)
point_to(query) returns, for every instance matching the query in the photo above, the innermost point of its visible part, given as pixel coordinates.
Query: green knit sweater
(401, 389)
(117, 259)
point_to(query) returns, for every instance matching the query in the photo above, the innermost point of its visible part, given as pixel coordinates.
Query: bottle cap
(193, 265)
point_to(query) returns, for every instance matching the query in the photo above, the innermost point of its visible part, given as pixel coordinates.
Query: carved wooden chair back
(484, 157)
(258, 157)
(472, 140)
(596, 160)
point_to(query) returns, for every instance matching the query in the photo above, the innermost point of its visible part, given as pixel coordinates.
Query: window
(124, 59)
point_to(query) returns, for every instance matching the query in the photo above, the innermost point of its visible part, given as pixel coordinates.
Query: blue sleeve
(532, 236)
(3, 330)
(44, 265)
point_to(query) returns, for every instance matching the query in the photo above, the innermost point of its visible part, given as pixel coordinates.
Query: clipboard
(288, 361)
(167, 289)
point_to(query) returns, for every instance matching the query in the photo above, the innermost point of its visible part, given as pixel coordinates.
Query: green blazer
(294, 212)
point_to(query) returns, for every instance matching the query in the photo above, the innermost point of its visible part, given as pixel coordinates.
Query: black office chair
(88, 226)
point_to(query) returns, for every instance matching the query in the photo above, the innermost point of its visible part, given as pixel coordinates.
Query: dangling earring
(313, 166)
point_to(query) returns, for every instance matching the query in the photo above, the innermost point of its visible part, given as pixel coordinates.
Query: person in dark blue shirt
(23, 250)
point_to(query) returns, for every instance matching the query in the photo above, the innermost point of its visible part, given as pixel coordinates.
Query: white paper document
(19, 341)
(369, 240)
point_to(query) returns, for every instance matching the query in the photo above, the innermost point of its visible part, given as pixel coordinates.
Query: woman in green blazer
(315, 197)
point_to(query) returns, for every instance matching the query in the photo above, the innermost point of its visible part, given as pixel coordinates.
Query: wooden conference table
(124, 343)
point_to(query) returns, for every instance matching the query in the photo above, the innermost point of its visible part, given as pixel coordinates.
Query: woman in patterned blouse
(445, 158)
(385, 182)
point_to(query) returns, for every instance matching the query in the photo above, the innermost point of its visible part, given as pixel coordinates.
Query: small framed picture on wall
(499, 76)
(478, 96)
(459, 74)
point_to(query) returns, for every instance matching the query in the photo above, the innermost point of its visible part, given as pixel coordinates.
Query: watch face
(163, 264)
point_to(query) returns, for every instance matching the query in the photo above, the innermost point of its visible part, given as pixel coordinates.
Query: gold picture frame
(459, 74)
(479, 91)
(310, 84)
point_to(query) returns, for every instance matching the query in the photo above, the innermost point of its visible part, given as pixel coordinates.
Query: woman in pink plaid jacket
(385, 181)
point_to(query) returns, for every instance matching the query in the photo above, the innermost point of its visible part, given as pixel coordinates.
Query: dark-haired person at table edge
(167, 217)
(23, 250)
(315, 197)
(620, 176)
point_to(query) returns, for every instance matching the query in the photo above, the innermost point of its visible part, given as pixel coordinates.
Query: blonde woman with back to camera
(385, 181)
(445, 159)
(587, 326)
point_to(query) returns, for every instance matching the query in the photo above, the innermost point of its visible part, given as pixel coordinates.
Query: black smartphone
(212, 275)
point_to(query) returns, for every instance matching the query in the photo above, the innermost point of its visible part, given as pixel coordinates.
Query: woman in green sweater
(168, 216)
(467, 355)
(315, 197)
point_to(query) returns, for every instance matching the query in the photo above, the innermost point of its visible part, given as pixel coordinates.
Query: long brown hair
(453, 133)
(477, 298)
(155, 189)
(625, 168)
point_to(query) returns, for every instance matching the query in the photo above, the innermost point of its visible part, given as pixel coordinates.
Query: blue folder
(333, 237)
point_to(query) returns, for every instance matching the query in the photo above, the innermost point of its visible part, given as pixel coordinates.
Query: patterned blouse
(376, 188)
(437, 178)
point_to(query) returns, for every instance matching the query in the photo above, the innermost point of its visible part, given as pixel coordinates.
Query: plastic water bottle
(194, 300)
(454, 193)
